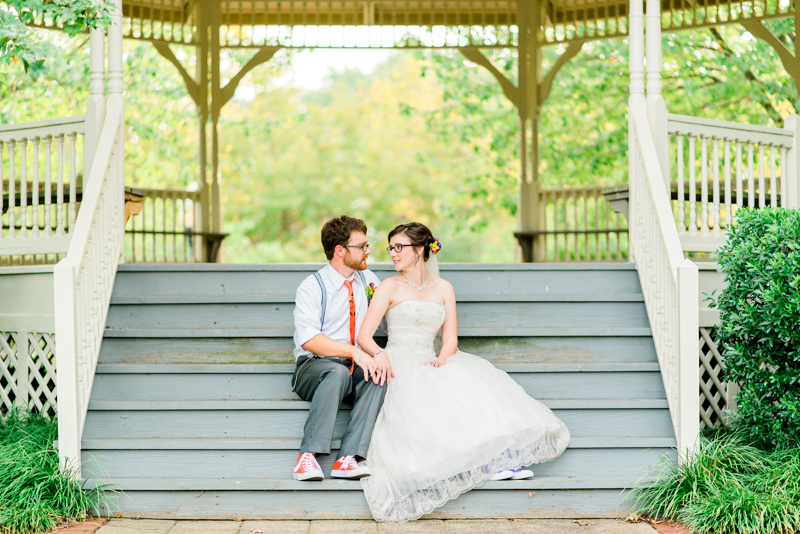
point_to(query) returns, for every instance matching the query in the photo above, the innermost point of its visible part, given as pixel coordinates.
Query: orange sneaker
(307, 468)
(347, 467)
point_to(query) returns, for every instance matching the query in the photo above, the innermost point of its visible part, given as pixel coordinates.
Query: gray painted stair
(192, 415)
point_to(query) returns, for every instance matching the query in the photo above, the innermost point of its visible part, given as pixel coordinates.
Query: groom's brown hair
(337, 232)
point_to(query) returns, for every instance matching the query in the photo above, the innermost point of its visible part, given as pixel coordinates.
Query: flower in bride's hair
(435, 246)
(370, 291)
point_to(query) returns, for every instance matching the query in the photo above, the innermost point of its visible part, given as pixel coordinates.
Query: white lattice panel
(27, 371)
(716, 396)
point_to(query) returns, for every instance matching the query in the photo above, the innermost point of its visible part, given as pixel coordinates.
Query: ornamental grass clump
(759, 328)
(35, 494)
(726, 487)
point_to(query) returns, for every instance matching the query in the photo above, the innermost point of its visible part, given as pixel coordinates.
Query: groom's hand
(384, 368)
(367, 364)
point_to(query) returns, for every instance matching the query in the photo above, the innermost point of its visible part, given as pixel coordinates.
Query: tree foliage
(18, 42)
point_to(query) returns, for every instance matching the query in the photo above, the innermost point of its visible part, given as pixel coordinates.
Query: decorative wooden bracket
(546, 84)
(509, 89)
(191, 85)
(475, 55)
(262, 56)
(789, 60)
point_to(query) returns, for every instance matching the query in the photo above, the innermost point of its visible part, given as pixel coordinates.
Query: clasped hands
(377, 368)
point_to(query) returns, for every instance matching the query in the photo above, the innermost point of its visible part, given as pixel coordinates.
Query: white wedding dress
(443, 431)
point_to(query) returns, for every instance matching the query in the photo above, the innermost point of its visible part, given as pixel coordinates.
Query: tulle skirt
(443, 431)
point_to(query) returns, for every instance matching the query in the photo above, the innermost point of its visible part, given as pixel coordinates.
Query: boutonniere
(370, 291)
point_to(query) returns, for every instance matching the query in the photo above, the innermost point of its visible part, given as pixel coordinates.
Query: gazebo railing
(41, 165)
(579, 225)
(166, 229)
(719, 167)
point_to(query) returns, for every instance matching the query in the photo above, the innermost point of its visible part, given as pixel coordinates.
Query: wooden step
(280, 422)
(253, 463)
(498, 350)
(194, 284)
(273, 382)
(474, 319)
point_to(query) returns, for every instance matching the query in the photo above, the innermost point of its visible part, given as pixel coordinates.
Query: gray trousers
(326, 383)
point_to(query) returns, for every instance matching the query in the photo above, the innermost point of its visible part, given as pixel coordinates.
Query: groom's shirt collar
(336, 279)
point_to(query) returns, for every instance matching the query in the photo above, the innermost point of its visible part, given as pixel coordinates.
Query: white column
(790, 169)
(115, 98)
(656, 108)
(636, 51)
(96, 106)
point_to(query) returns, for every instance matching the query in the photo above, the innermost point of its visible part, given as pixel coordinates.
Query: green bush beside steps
(759, 328)
(35, 494)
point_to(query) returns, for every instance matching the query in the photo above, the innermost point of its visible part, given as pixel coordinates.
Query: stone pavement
(450, 526)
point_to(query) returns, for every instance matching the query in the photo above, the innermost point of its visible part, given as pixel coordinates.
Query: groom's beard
(358, 265)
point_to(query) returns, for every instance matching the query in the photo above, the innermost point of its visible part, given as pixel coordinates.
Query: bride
(451, 421)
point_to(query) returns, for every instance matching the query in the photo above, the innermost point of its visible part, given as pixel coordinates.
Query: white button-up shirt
(308, 307)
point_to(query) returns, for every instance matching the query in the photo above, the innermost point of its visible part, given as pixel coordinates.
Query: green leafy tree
(20, 43)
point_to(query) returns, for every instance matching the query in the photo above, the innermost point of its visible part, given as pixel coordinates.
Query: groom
(329, 308)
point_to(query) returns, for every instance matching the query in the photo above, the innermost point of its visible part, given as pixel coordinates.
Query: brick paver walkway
(491, 526)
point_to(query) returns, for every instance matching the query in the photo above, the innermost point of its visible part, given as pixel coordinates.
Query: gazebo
(264, 27)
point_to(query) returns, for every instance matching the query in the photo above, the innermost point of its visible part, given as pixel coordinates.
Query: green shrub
(760, 324)
(35, 495)
(727, 486)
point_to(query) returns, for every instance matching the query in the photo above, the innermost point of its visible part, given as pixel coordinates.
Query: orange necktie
(350, 298)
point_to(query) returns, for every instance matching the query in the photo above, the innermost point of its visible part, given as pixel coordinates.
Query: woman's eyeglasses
(396, 248)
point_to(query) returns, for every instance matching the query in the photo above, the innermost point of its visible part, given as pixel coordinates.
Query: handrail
(669, 282)
(83, 282)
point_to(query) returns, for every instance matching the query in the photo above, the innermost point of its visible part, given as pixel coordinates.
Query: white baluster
(73, 176)
(60, 187)
(12, 184)
(48, 187)
(751, 184)
(773, 185)
(35, 192)
(692, 188)
(23, 189)
(715, 206)
(704, 185)
(762, 188)
(681, 206)
(728, 207)
(784, 181)
(739, 176)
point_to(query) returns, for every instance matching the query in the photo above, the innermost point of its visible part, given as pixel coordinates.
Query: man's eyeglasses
(364, 248)
(396, 248)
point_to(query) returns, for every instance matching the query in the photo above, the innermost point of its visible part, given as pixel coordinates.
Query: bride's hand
(438, 362)
(384, 368)
(366, 362)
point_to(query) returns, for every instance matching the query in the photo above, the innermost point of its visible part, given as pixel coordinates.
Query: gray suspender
(324, 302)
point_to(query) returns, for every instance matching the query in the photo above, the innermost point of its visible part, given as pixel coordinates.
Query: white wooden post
(115, 89)
(790, 169)
(689, 387)
(96, 106)
(636, 52)
(69, 412)
(656, 108)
